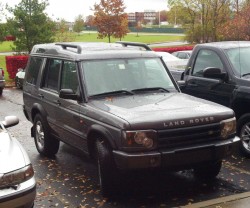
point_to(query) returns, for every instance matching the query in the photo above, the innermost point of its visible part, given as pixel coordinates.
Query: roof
(93, 50)
(227, 44)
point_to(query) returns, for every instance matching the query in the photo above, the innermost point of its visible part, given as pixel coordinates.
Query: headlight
(140, 139)
(16, 177)
(228, 127)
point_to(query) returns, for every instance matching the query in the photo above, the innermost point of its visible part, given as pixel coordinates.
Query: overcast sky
(69, 9)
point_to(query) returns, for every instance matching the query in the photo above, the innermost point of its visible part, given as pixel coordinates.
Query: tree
(138, 28)
(237, 28)
(30, 24)
(2, 26)
(89, 22)
(62, 33)
(79, 24)
(110, 19)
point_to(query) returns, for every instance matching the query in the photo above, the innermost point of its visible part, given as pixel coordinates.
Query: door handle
(40, 95)
(192, 85)
(57, 102)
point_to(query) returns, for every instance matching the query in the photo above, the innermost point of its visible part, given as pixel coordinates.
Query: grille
(188, 136)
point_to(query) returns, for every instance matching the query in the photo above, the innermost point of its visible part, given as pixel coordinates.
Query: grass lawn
(142, 37)
(92, 37)
(5, 46)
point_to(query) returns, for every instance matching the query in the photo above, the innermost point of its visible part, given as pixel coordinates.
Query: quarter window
(33, 69)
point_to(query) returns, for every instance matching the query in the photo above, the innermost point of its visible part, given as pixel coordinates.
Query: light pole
(159, 19)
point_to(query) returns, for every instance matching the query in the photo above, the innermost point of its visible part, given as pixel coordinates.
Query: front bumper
(21, 196)
(177, 158)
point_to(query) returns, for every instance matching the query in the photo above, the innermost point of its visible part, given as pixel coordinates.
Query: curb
(219, 201)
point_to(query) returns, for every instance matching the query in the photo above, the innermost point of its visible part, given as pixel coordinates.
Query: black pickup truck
(220, 72)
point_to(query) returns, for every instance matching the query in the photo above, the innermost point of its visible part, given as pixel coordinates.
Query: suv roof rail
(143, 45)
(69, 45)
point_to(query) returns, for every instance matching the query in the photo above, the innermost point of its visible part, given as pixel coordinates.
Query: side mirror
(10, 121)
(212, 72)
(68, 94)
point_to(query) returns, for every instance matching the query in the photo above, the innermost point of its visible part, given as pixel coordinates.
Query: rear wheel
(208, 171)
(107, 171)
(46, 144)
(1, 91)
(243, 132)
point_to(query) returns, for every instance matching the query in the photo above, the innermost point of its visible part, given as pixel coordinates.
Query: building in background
(146, 17)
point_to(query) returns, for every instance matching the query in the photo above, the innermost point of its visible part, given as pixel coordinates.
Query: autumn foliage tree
(237, 28)
(110, 19)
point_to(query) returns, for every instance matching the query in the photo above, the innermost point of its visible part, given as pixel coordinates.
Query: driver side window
(206, 58)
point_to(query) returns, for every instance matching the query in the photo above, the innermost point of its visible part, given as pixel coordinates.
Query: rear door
(216, 90)
(49, 90)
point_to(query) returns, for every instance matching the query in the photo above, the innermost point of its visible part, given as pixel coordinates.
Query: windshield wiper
(114, 92)
(243, 75)
(161, 89)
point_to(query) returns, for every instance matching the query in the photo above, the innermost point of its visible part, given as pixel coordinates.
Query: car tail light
(2, 72)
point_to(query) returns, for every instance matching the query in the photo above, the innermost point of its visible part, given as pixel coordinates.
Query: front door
(216, 90)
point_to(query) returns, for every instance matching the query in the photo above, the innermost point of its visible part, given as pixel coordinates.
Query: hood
(12, 155)
(163, 110)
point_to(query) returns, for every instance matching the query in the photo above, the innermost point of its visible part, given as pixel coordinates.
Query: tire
(208, 171)
(1, 91)
(18, 83)
(46, 144)
(107, 171)
(243, 131)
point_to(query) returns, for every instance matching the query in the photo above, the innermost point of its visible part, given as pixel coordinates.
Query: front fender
(96, 128)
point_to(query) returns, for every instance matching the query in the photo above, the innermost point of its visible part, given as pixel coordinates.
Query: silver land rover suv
(120, 105)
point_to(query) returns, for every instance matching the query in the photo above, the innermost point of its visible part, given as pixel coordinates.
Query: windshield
(103, 76)
(240, 60)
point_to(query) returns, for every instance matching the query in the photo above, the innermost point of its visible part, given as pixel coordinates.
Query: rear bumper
(2, 83)
(23, 196)
(178, 158)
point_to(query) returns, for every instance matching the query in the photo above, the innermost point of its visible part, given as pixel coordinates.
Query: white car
(173, 62)
(19, 78)
(183, 54)
(17, 181)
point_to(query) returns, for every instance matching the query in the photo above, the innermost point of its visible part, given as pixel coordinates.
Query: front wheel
(243, 131)
(107, 171)
(1, 91)
(208, 171)
(46, 144)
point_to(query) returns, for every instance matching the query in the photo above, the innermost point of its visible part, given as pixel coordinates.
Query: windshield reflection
(240, 59)
(102, 76)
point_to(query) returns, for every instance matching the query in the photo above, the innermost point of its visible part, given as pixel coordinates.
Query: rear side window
(52, 73)
(33, 69)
